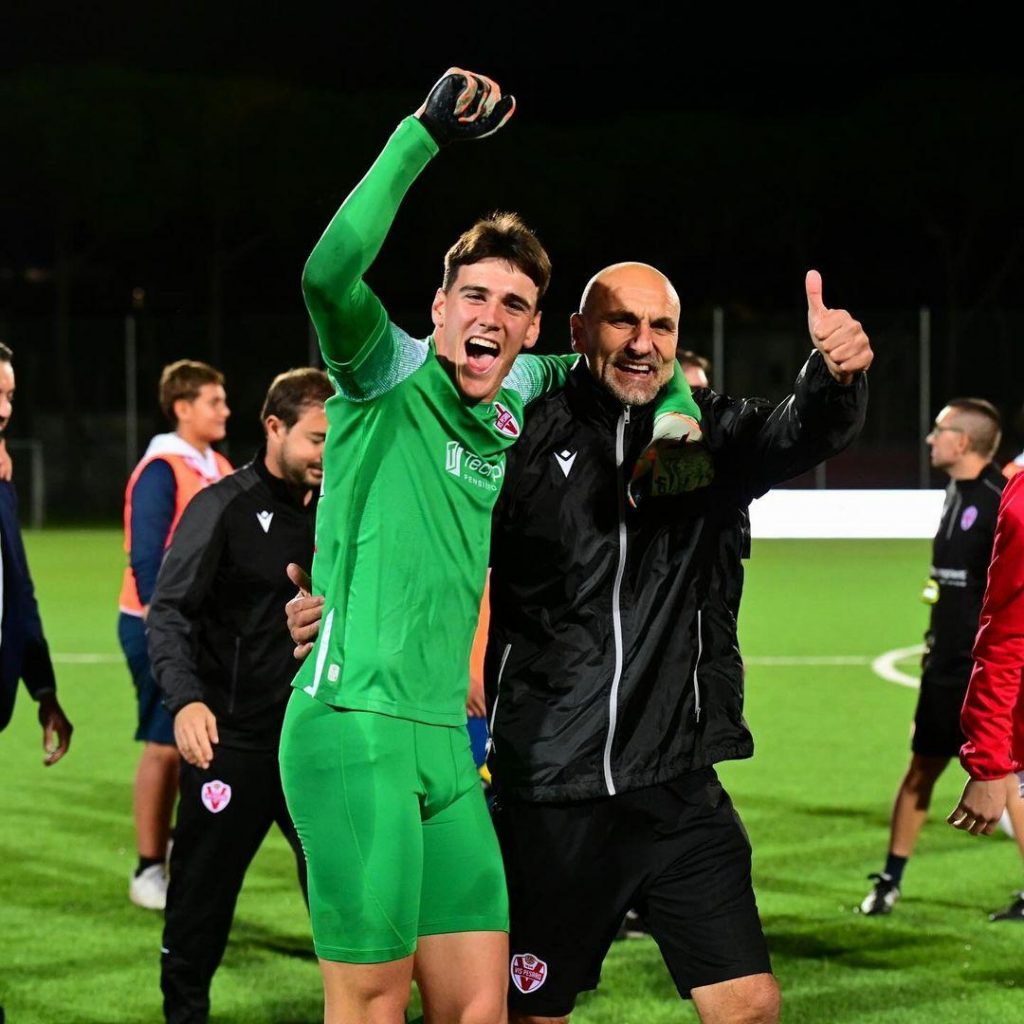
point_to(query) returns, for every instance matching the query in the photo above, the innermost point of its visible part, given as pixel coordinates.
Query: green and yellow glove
(676, 459)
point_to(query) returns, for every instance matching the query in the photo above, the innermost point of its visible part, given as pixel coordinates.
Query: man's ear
(438, 308)
(532, 332)
(275, 427)
(576, 332)
(182, 407)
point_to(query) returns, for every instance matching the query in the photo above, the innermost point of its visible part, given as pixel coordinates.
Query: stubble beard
(642, 392)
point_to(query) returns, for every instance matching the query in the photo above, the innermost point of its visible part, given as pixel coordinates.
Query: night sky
(196, 151)
(732, 152)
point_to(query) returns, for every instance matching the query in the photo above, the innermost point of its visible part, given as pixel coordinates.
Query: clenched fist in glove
(464, 105)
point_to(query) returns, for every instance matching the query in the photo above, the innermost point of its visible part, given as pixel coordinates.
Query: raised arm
(820, 418)
(348, 317)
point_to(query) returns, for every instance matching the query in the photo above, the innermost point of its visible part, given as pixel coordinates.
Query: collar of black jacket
(281, 490)
(589, 399)
(990, 475)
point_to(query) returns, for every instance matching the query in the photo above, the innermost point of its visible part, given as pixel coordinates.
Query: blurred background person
(24, 653)
(696, 368)
(963, 442)
(175, 467)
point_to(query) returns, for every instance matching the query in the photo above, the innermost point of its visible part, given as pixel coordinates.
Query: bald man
(614, 679)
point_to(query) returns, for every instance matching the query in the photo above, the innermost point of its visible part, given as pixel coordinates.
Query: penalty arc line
(884, 666)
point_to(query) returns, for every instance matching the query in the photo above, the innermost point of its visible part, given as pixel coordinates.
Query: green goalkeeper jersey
(412, 470)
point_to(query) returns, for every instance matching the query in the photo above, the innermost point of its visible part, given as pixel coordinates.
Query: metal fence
(88, 415)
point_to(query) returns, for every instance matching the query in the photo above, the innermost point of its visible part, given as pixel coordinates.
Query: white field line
(883, 666)
(773, 660)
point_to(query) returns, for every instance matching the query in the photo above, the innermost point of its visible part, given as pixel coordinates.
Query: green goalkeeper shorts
(395, 828)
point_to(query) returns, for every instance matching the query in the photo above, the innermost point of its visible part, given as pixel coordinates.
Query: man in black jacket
(963, 441)
(223, 659)
(614, 678)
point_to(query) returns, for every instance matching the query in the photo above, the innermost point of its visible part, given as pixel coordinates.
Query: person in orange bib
(175, 467)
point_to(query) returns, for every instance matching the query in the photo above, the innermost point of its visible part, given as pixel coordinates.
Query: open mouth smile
(481, 354)
(635, 369)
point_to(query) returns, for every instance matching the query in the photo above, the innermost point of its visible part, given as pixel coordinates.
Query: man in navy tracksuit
(24, 653)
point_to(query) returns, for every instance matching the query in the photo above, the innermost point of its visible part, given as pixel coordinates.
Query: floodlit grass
(831, 745)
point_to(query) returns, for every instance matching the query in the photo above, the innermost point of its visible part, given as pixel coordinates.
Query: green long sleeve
(677, 397)
(348, 317)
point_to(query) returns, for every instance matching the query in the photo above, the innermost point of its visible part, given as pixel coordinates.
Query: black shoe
(882, 897)
(1014, 912)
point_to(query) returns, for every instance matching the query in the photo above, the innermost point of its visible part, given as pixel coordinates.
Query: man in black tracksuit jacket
(223, 658)
(613, 673)
(963, 441)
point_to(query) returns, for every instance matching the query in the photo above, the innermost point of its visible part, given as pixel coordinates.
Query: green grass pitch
(831, 744)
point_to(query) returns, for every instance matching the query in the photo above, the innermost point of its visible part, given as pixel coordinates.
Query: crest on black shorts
(216, 795)
(528, 972)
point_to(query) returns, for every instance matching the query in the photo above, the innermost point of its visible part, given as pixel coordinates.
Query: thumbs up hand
(836, 335)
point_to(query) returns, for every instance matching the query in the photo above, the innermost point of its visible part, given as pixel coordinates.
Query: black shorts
(676, 853)
(937, 718)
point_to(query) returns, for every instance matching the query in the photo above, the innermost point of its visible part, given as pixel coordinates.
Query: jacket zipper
(613, 701)
(497, 697)
(234, 676)
(696, 665)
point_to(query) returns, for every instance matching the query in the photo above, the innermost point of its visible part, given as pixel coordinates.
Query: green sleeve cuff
(677, 396)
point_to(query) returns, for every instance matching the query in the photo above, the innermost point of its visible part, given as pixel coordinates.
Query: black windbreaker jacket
(961, 552)
(216, 626)
(613, 661)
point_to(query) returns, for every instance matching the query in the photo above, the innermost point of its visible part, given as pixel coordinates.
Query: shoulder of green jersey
(532, 376)
(395, 358)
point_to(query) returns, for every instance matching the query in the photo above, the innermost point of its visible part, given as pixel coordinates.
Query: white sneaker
(149, 889)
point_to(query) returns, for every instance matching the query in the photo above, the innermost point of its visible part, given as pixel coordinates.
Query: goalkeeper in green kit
(375, 758)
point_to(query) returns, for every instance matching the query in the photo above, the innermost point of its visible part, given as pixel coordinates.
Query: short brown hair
(183, 380)
(983, 426)
(501, 236)
(294, 391)
(6, 355)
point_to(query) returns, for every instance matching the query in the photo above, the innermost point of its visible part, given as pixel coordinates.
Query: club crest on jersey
(216, 796)
(528, 972)
(505, 423)
(969, 518)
